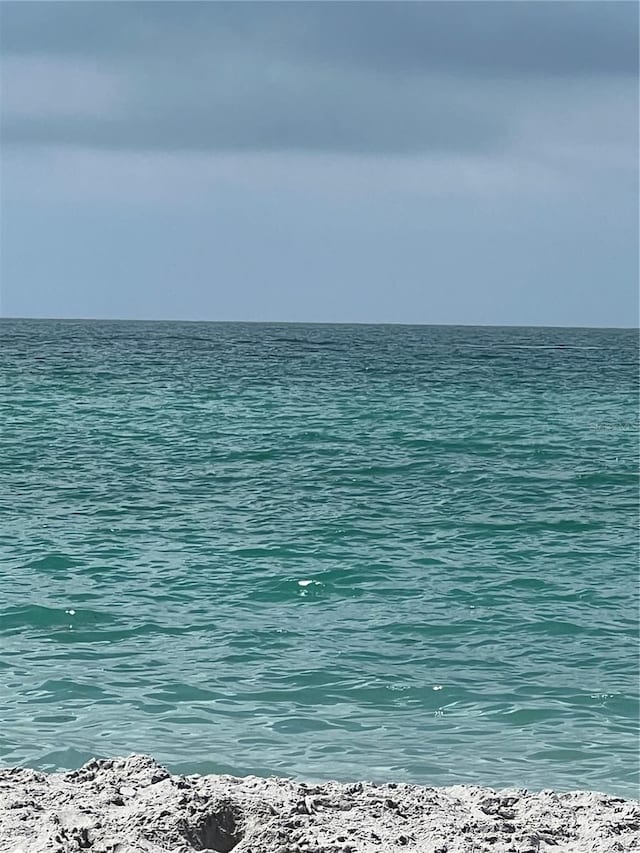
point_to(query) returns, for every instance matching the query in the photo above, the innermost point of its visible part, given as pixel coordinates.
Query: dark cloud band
(475, 37)
(353, 77)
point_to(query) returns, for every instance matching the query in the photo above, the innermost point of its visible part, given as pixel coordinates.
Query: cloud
(382, 78)
(237, 103)
(49, 88)
(472, 37)
(172, 180)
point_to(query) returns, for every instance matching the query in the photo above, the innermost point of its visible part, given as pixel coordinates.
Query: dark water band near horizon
(377, 552)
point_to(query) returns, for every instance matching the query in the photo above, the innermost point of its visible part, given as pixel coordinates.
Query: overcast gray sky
(443, 162)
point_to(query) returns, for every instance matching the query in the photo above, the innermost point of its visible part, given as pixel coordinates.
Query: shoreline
(134, 805)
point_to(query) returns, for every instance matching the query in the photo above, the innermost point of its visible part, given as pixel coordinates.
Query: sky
(402, 162)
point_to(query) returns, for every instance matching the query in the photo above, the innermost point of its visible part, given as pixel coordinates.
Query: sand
(133, 805)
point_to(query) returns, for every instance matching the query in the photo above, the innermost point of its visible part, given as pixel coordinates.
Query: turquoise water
(375, 552)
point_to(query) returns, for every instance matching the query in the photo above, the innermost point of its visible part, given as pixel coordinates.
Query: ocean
(402, 553)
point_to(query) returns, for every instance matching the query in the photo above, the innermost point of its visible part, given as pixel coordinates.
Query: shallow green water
(325, 551)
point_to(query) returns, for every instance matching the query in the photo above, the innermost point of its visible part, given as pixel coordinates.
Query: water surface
(343, 552)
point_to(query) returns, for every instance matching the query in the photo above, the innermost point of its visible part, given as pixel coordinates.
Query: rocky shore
(133, 805)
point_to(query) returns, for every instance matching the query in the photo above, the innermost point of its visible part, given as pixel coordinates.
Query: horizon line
(315, 323)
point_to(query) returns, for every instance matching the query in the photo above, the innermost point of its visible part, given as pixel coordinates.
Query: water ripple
(382, 552)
